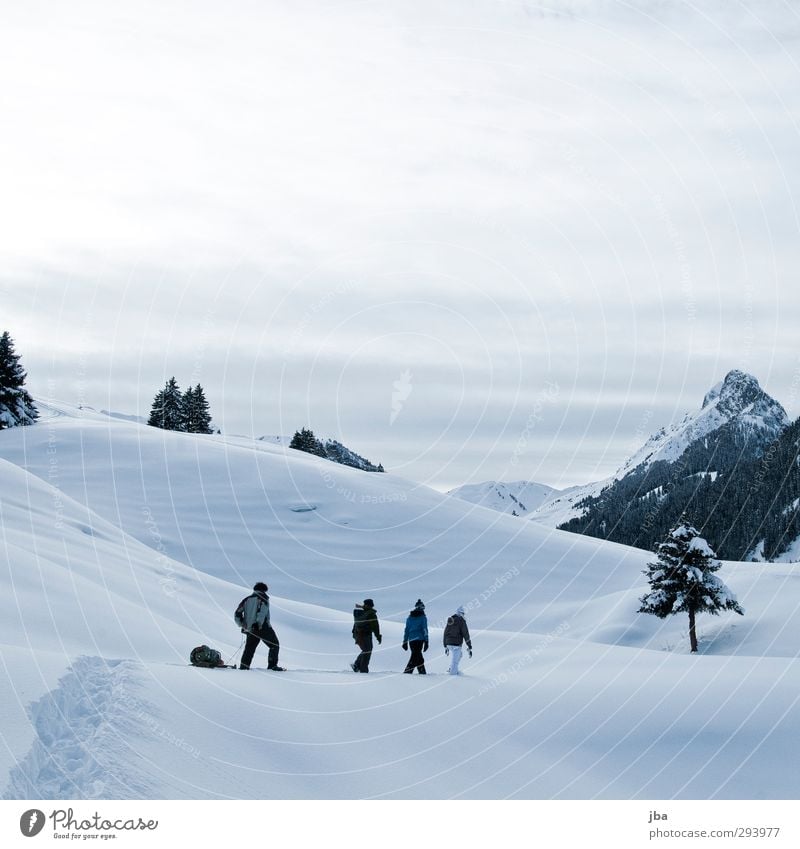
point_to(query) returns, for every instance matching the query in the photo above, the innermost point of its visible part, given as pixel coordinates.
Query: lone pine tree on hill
(682, 580)
(16, 405)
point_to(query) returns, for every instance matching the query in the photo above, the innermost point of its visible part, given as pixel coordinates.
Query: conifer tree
(682, 580)
(188, 410)
(196, 415)
(304, 440)
(167, 410)
(16, 405)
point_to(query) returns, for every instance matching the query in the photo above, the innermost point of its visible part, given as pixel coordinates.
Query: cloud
(297, 202)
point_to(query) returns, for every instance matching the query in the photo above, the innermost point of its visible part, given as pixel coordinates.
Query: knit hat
(260, 587)
(460, 610)
(368, 602)
(419, 605)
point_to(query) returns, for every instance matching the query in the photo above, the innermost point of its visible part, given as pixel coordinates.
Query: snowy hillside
(516, 498)
(327, 534)
(570, 694)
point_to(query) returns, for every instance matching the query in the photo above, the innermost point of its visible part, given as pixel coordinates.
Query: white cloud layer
(295, 202)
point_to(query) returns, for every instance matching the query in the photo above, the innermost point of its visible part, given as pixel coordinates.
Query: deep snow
(123, 547)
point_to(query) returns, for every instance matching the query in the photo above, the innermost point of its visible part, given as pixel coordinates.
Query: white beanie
(460, 610)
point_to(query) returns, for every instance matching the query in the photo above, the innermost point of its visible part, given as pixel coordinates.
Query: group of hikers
(252, 616)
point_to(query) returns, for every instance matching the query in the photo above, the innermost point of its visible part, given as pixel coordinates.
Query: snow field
(570, 694)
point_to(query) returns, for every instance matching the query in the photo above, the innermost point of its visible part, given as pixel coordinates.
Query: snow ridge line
(83, 730)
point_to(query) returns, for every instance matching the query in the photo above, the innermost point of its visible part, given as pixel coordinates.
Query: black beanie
(260, 587)
(368, 602)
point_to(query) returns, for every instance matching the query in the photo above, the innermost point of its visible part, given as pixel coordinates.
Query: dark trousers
(364, 640)
(254, 637)
(416, 661)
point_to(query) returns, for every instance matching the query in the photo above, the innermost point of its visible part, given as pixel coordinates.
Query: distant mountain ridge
(731, 467)
(738, 400)
(518, 498)
(701, 467)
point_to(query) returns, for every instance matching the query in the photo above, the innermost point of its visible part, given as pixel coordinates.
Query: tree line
(188, 411)
(305, 440)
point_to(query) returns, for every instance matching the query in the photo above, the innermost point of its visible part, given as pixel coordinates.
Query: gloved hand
(470, 652)
(425, 646)
(446, 650)
(379, 638)
(405, 646)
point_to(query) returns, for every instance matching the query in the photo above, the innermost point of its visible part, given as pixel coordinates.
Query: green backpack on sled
(205, 656)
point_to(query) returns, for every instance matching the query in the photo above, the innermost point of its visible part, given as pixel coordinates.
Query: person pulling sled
(252, 616)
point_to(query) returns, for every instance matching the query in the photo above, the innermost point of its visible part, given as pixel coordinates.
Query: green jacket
(366, 619)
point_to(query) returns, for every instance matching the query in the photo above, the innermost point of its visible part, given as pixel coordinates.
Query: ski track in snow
(83, 728)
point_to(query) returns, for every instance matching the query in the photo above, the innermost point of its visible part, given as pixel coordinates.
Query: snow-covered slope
(570, 692)
(516, 498)
(246, 510)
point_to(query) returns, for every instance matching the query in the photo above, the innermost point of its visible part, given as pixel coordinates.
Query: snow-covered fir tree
(196, 414)
(682, 580)
(16, 405)
(304, 440)
(167, 410)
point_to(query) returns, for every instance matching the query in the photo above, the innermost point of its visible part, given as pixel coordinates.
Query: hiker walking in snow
(416, 636)
(252, 616)
(456, 634)
(365, 626)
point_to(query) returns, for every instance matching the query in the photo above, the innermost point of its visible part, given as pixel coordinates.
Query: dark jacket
(416, 627)
(366, 619)
(456, 632)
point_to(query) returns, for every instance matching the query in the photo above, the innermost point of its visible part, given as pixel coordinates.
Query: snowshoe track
(84, 731)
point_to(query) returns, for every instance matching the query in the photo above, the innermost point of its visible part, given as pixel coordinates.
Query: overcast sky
(547, 229)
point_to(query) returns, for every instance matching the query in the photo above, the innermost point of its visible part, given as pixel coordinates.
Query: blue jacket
(416, 627)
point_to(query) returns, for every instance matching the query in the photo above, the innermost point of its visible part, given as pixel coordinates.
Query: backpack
(238, 615)
(205, 656)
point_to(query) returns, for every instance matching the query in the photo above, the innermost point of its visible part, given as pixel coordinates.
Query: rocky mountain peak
(741, 393)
